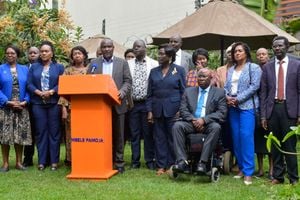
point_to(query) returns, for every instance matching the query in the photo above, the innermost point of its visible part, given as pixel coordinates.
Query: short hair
(198, 52)
(169, 50)
(48, 43)
(15, 48)
(246, 49)
(83, 51)
(127, 52)
(286, 41)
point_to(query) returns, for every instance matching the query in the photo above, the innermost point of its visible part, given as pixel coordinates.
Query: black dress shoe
(182, 167)
(201, 168)
(135, 166)
(121, 170)
(151, 165)
(27, 164)
(294, 182)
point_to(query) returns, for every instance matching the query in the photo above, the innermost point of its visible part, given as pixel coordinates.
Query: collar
(108, 61)
(207, 89)
(285, 59)
(143, 61)
(178, 53)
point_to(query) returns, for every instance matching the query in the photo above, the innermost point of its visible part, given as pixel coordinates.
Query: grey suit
(186, 61)
(215, 113)
(122, 78)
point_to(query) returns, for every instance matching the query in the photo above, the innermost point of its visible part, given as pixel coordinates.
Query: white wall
(128, 20)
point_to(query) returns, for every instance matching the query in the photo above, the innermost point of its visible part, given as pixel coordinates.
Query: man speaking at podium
(119, 70)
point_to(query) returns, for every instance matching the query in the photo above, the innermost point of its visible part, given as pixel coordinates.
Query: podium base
(99, 176)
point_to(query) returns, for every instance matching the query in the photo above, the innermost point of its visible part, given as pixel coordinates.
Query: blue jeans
(242, 124)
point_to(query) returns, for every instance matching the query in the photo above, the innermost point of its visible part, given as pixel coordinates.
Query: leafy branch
(273, 140)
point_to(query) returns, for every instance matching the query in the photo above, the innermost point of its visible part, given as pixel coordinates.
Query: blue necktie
(200, 104)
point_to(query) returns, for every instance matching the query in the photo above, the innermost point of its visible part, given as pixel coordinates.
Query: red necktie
(280, 89)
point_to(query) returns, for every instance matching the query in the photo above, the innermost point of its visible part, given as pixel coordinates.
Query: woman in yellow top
(79, 62)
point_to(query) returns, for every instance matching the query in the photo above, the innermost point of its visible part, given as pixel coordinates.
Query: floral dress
(15, 125)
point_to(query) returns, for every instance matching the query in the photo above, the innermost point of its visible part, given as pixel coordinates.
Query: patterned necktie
(280, 83)
(200, 104)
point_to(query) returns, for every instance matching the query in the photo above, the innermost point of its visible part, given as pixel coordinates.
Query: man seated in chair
(202, 110)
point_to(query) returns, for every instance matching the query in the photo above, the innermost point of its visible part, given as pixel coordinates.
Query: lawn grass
(133, 184)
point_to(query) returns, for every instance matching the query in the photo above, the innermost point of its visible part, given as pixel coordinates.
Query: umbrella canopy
(92, 43)
(220, 23)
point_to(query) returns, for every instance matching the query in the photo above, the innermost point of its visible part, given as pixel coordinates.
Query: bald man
(202, 109)
(262, 56)
(33, 55)
(183, 58)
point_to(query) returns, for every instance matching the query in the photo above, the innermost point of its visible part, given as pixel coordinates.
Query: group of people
(162, 102)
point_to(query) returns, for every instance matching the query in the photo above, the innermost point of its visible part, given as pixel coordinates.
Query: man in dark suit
(119, 70)
(202, 110)
(33, 55)
(280, 106)
(183, 58)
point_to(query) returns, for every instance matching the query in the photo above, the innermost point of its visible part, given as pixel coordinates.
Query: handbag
(195, 142)
(256, 110)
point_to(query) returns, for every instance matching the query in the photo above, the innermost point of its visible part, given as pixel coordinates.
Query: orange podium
(91, 97)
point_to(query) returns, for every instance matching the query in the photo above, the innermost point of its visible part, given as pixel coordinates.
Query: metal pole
(222, 50)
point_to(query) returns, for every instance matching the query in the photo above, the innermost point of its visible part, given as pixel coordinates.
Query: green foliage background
(26, 24)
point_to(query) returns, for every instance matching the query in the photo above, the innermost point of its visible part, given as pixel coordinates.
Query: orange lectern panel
(91, 99)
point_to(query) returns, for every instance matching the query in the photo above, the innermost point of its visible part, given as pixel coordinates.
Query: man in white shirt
(140, 69)
(183, 58)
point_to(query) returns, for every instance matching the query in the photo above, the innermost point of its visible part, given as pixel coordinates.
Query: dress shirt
(178, 57)
(285, 66)
(107, 66)
(205, 99)
(149, 64)
(140, 81)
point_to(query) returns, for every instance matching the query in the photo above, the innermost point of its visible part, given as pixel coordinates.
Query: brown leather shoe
(275, 182)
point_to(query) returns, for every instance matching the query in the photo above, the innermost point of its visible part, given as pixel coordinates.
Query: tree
(265, 8)
(26, 23)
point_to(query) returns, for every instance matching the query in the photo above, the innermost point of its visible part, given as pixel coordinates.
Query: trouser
(47, 126)
(242, 123)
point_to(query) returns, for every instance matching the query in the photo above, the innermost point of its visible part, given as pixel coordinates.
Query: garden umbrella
(220, 23)
(92, 43)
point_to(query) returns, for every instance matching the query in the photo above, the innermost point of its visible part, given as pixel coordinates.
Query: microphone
(94, 67)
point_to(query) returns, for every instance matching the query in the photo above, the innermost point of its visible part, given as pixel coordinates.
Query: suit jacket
(186, 61)
(6, 83)
(247, 90)
(215, 110)
(121, 76)
(268, 89)
(164, 93)
(34, 81)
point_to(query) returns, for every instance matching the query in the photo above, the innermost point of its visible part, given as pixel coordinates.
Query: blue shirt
(107, 66)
